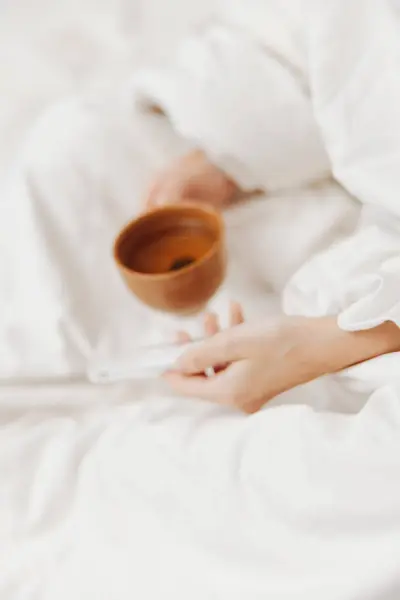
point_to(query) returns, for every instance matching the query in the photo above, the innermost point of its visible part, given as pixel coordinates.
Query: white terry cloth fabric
(353, 114)
(105, 154)
(217, 94)
(357, 108)
(175, 498)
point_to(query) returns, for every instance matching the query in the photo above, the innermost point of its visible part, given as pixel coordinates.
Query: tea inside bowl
(173, 258)
(167, 245)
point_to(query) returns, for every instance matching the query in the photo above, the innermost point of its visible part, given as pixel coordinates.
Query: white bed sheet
(126, 492)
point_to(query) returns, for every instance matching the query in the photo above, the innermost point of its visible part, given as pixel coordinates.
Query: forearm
(337, 349)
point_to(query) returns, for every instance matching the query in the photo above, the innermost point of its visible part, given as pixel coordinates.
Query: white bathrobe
(154, 496)
(280, 94)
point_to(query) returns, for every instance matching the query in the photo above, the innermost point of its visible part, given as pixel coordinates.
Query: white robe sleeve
(244, 103)
(355, 82)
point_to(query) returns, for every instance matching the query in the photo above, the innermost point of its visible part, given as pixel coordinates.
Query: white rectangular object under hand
(146, 362)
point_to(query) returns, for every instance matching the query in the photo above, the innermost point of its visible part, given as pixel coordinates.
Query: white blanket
(126, 492)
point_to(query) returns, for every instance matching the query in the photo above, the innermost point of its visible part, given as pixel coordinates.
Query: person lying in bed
(275, 65)
(292, 502)
(256, 362)
(265, 98)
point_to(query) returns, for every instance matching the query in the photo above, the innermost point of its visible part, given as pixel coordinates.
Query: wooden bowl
(173, 258)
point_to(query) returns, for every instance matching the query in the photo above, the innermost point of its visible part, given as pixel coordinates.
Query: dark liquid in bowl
(171, 249)
(181, 263)
(173, 259)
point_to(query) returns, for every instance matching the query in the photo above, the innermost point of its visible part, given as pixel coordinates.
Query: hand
(256, 362)
(191, 178)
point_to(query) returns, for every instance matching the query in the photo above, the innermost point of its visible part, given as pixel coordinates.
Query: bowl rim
(216, 245)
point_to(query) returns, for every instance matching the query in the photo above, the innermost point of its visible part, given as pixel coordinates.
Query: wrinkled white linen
(339, 98)
(214, 108)
(125, 492)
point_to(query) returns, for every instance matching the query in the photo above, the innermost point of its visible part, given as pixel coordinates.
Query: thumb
(221, 349)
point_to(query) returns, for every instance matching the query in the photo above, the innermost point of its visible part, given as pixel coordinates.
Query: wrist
(337, 349)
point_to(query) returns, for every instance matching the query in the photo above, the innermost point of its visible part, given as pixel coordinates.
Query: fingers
(191, 177)
(214, 389)
(211, 327)
(168, 188)
(236, 314)
(211, 321)
(150, 200)
(161, 193)
(182, 337)
(228, 388)
(191, 387)
(221, 349)
(211, 324)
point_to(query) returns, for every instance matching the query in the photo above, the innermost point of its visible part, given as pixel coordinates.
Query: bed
(126, 491)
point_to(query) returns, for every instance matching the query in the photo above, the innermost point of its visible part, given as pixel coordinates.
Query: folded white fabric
(289, 504)
(236, 99)
(356, 278)
(356, 92)
(249, 109)
(78, 180)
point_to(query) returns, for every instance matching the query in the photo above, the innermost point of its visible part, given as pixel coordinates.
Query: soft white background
(85, 38)
(89, 502)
